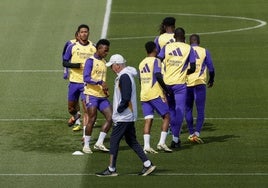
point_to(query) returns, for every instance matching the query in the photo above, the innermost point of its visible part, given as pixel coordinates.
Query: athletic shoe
(149, 150)
(163, 147)
(147, 170)
(195, 139)
(101, 147)
(77, 128)
(73, 119)
(87, 150)
(107, 173)
(175, 145)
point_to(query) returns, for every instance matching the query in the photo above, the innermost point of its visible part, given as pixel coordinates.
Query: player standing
(196, 88)
(74, 59)
(176, 58)
(96, 92)
(152, 97)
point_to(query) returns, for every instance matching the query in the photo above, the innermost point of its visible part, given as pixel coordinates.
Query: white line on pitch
(156, 174)
(106, 19)
(261, 23)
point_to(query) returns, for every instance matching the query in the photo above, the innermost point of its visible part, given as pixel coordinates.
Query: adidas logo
(145, 69)
(176, 52)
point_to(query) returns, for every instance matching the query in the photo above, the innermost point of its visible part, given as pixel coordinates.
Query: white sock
(84, 131)
(101, 138)
(147, 163)
(112, 169)
(175, 139)
(163, 138)
(146, 138)
(197, 133)
(87, 141)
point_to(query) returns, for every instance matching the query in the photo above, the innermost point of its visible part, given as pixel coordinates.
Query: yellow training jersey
(150, 88)
(200, 74)
(79, 55)
(165, 38)
(96, 70)
(176, 63)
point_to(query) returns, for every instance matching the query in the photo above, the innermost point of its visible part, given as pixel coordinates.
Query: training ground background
(35, 142)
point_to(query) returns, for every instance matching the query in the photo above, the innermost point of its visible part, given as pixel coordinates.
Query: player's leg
(106, 109)
(200, 100)
(91, 104)
(148, 114)
(161, 107)
(189, 110)
(73, 98)
(180, 97)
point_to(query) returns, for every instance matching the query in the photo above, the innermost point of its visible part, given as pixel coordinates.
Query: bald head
(179, 34)
(195, 39)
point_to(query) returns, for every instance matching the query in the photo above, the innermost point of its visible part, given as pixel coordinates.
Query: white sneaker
(87, 150)
(163, 147)
(149, 150)
(101, 147)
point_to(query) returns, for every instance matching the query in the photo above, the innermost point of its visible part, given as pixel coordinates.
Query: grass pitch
(35, 142)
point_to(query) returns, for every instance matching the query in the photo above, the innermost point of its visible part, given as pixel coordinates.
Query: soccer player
(124, 116)
(176, 58)
(152, 97)
(96, 92)
(66, 76)
(196, 89)
(74, 59)
(166, 36)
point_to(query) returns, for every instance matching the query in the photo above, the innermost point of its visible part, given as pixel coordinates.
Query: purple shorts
(100, 102)
(160, 106)
(76, 90)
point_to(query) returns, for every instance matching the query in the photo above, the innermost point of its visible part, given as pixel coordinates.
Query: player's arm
(67, 64)
(65, 47)
(157, 44)
(87, 73)
(192, 62)
(210, 66)
(161, 54)
(159, 77)
(67, 57)
(126, 90)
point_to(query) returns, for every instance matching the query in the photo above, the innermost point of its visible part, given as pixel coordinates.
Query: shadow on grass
(221, 138)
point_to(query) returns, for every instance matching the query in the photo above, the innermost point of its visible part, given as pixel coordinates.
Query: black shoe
(107, 172)
(175, 145)
(147, 170)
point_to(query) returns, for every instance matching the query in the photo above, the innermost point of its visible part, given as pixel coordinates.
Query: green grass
(35, 142)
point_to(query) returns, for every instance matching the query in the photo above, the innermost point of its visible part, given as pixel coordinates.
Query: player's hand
(105, 89)
(210, 84)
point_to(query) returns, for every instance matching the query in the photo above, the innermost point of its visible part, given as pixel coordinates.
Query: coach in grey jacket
(124, 116)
